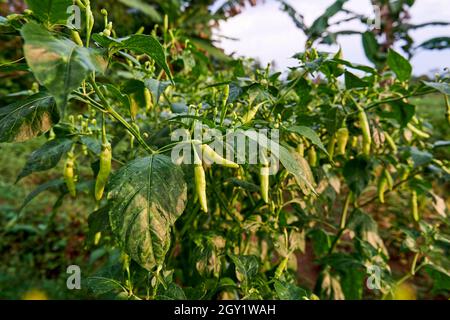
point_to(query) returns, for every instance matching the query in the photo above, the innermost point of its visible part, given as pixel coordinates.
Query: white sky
(267, 33)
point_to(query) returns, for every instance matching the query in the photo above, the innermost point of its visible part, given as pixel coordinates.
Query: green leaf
(321, 24)
(144, 8)
(401, 66)
(357, 174)
(354, 82)
(289, 291)
(50, 11)
(150, 46)
(367, 229)
(402, 112)
(296, 168)
(371, 47)
(439, 86)
(438, 43)
(26, 119)
(58, 63)
(146, 198)
(246, 267)
(46, 157)
(309, 134)
(157, 88)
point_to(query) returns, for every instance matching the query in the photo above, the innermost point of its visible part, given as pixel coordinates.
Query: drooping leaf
(26, 119)
(400, 65)
(439, 86)
(50, 11)
(146, 198)
(371, 48)
(402, 112)
(354, 82)
(144, 8)
(289, 291)
(357, 174)
(157, 88)
(58, 63)
(438, 43)
(150, 46)
(310, 134)
(46, 157)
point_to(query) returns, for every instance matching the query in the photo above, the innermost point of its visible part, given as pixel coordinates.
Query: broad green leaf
(400, 65)
(321, 24)
(367, 229)
(354, 82)
(357, 174)
(246, 267)
(371, 48)
(46, 157)
(306, 169)
(26, 119)
(58, 63)
(157, 88)
(439, 86)
(310, 134)
(289, 291)
(285, 157)
(150, 46)
(146, 198)
(402, 112)
(144, 8)
(50, 11)
(420, 157)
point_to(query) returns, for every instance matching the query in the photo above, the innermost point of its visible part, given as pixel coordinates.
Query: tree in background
(394, 28)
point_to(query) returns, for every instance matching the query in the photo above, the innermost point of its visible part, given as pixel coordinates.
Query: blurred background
(266, 32)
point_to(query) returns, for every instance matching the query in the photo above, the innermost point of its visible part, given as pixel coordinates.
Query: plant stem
(119, 118)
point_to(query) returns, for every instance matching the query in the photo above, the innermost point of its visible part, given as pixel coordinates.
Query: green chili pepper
(69, 174)
(200, 186)
(365, 127)
(104, 171)
(342, 136)
(415, 206)
(209, 153)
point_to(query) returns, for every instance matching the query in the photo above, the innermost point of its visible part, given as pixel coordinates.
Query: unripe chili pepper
(301, 149)
(415, 206)
(390, 181)
(342, 136)
(418, 132)
(200, 186)
(390, 142)
(69, 174)
(104, 171)
(331, 146)
(264, 183)
(76, 37)
(281, 267)
(134, 107)
(312, 157)
(264, 177)
(209, 153)
(250, 115)
(365, 127)
(382, 184)
(148, 99)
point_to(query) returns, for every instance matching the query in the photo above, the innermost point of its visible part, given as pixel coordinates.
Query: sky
(268, 34)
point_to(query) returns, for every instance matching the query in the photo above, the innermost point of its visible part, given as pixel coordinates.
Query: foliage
(394, 28)
(132, 92)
